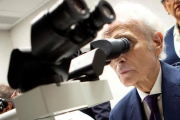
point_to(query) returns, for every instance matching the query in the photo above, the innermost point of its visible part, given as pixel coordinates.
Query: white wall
(20, 36)
(5, 50)
(155, 6)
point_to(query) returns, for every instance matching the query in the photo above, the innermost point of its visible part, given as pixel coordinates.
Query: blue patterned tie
(151, 100)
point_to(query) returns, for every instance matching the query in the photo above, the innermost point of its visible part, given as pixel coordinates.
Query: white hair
(150, 23)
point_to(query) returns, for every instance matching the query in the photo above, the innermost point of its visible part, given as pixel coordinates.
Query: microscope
(52, 82)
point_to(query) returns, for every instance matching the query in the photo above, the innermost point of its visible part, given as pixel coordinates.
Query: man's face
(173, 8)
(137, 65)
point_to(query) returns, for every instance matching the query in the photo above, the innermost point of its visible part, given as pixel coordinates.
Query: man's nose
(121, 59)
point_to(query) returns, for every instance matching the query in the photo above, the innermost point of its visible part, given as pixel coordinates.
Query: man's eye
(132, 43)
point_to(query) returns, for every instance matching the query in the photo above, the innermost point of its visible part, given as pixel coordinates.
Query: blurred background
(15, 19)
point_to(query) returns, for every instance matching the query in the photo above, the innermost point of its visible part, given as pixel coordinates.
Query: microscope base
(51, 100)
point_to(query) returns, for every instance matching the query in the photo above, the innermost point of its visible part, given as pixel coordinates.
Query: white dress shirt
(155, 90)
(176, 40)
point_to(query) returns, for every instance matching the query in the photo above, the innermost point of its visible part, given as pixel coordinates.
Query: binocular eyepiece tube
(52, 37)
(86, 30)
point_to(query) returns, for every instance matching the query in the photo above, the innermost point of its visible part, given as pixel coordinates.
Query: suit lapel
(170, 92)
(137, 109)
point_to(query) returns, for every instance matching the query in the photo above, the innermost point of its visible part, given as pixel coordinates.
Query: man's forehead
(117, 27)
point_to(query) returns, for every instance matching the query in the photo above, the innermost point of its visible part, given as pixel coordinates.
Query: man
(172, 39)
(156, 83)
(6, 96)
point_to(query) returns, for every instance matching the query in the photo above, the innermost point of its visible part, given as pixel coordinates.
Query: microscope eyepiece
(86, 30)
(108, 12)
(68, 13)
(79, 6)
(49, 32)
(103, 13)
(112, 47)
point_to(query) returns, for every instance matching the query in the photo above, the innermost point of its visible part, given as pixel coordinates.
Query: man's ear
(158, 42)
(8, 108)
(15, 93)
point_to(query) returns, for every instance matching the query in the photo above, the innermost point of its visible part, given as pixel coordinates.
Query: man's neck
(147, 84)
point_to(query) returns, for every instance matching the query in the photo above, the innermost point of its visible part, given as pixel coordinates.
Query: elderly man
(172, 38)
(156, 95)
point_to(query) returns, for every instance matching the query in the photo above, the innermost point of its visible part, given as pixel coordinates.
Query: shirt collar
(176, 30)
(155, 89)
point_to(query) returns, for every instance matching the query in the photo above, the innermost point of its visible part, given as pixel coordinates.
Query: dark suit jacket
(131, 108)
(99, 112)
(170, 50)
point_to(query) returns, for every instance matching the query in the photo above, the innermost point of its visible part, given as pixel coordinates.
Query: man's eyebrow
(123, 35)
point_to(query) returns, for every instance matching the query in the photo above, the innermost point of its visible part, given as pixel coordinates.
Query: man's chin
(127, 84)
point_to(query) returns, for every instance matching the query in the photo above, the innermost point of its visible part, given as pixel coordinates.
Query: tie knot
(151, 100)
